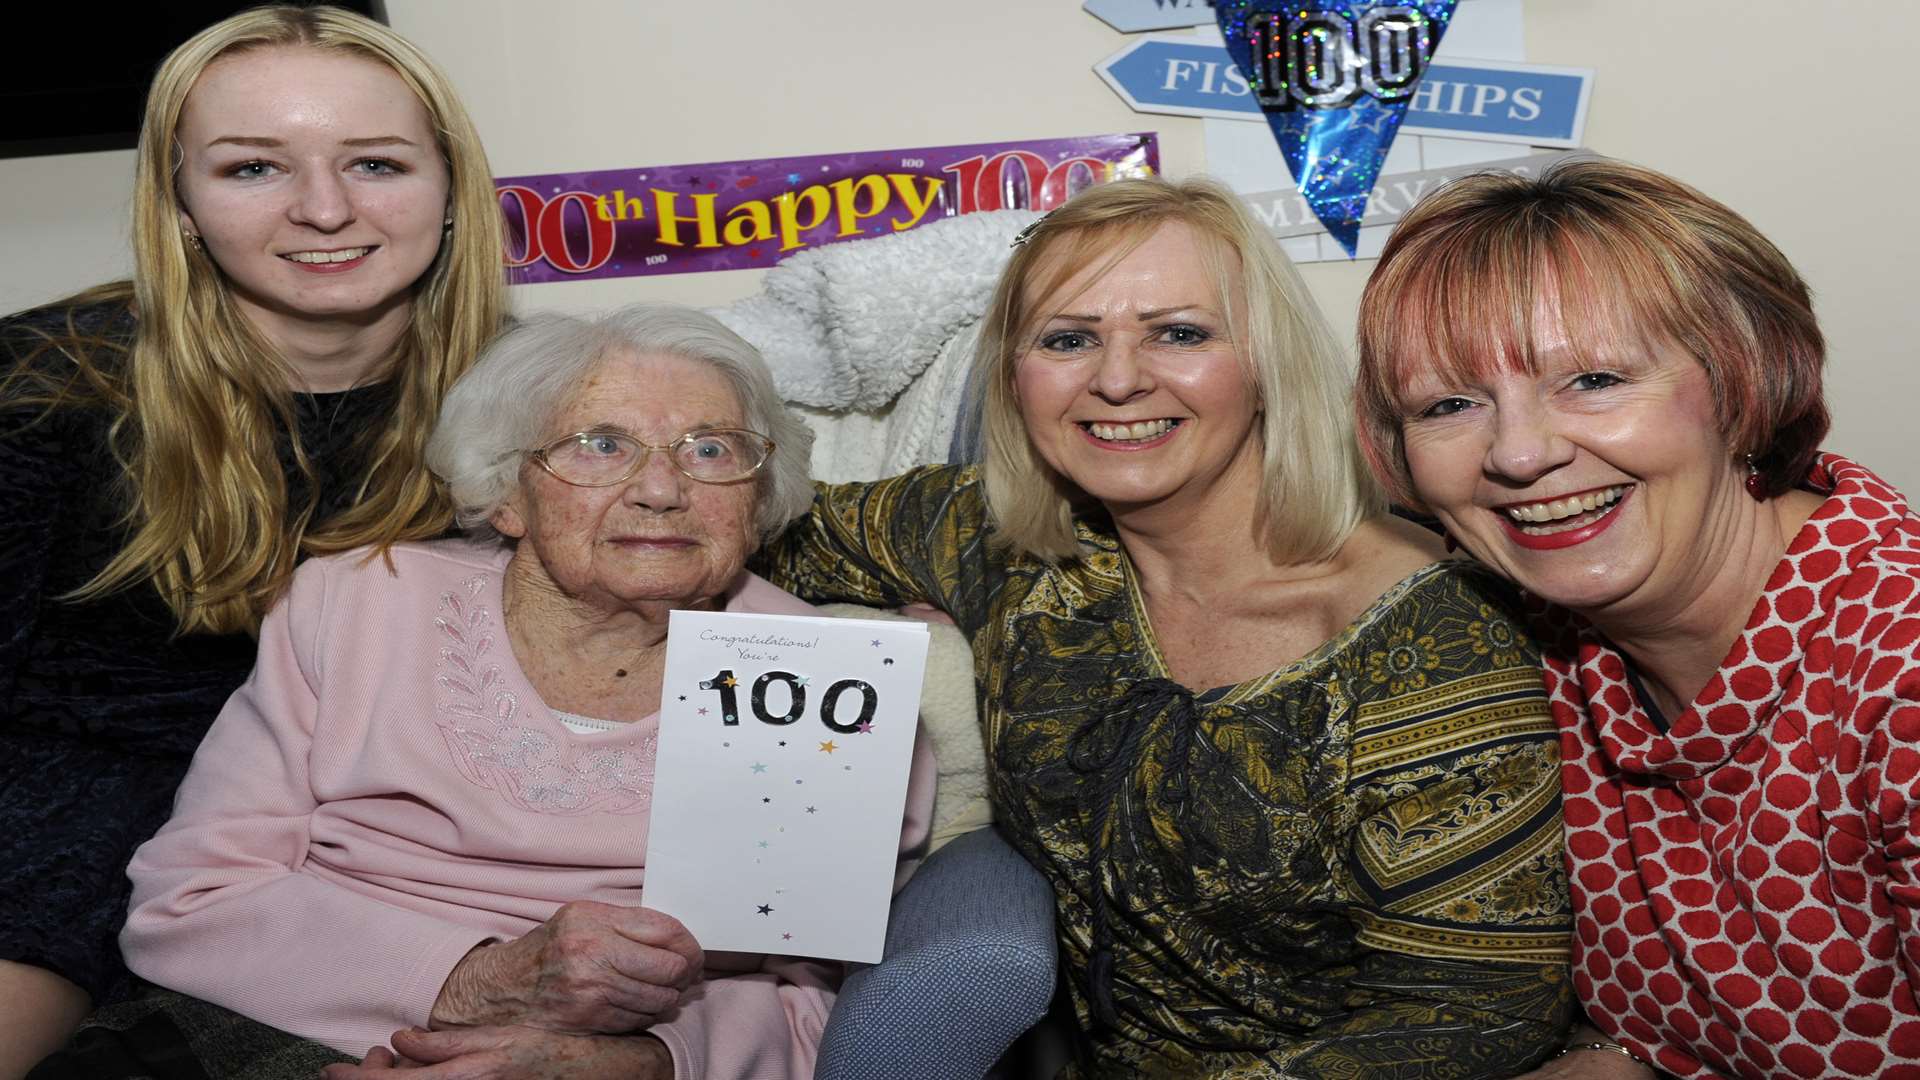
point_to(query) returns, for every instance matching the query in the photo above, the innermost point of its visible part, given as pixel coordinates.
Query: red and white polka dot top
(1745, 884)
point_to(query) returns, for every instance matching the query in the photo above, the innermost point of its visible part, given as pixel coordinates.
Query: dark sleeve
(917, 538)
(42, 478)
(1456, 867)
(73, 804)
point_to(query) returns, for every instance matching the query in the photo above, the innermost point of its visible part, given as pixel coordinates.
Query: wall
(1704, 89)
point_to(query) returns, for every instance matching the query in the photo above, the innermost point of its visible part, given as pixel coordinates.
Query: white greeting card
(785, 747)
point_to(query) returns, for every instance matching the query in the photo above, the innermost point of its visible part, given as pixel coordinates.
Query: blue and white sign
(1133, 16)
(1479, 99)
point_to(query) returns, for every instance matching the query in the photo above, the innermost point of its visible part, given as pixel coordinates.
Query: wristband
(1609, 1047)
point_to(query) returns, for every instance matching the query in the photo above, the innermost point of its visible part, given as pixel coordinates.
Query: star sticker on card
(758, 767)
(876, 643)
(763, 843)
(828, 747)
(730, 681)
(786, 937)
(703, 712)
(766, 909)
(800, 680)
(864, 727)
(813, 809)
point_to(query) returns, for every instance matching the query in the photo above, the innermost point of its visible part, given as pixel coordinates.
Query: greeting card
(785, 747)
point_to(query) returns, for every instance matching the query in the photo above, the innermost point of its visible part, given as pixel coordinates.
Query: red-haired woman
(1607, 386)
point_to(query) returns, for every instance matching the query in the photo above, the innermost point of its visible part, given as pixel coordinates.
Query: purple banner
(739, 215)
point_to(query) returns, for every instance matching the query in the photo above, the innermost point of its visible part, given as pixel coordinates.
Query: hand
(1590, 1065)
(513, 1053)
(590, 969)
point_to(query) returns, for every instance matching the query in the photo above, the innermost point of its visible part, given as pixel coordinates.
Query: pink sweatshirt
(387, 791)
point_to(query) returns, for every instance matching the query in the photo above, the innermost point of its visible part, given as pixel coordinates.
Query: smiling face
(1602, 486)
(657, 537)
(1131, 388)
(315, 183)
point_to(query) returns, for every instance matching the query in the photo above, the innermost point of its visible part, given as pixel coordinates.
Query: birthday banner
(740, 215)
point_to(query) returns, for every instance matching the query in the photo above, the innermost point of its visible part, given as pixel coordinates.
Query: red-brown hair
(1623, 252)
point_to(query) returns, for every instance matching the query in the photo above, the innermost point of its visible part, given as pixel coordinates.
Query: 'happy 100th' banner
(738, 215)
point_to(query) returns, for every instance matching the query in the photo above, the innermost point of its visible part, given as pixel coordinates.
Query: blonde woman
(1290, 772)
(317, 257)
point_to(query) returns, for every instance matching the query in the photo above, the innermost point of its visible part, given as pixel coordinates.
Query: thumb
(434, 1047)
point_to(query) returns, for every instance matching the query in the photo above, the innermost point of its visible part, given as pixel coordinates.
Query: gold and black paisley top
(1350, 867)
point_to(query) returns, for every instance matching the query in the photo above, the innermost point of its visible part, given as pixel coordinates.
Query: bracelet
(1609, 1047)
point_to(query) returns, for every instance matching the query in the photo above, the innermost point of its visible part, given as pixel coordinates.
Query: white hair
(501, 407)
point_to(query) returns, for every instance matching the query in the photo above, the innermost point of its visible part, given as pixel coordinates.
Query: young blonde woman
(317, 257)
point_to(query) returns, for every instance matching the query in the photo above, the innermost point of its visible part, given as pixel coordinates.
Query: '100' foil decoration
(1334, 80)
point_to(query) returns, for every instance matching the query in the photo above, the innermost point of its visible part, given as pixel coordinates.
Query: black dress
(101, 702)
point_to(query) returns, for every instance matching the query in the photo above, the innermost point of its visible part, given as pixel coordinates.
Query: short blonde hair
(1631, 256)
(1314, 489)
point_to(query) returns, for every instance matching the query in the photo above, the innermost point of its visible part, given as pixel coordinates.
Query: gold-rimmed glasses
(606, 458)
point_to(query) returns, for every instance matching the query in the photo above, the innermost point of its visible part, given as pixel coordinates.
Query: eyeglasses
(606, 458)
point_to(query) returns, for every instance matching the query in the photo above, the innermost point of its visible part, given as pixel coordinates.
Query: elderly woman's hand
(590, 969)
(514, 1053)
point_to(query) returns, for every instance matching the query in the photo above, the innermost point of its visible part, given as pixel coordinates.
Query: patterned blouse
(1348, 867)
(1748, 879)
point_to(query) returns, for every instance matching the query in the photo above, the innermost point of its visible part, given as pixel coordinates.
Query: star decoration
(800, 680)
(813, 809)
(683, 697)
(793, 178)
(828, 747)
(864, 727)
(763, 843)
(703, 712)
(730, 681)
(876, 643)
(758, 767)
(766, 909)
(786, 937)
(766, 800)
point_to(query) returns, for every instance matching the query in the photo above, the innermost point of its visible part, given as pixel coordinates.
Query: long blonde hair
(201, 393)
(1314, 488)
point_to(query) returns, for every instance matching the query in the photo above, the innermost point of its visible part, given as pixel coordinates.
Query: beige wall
(1700, 88)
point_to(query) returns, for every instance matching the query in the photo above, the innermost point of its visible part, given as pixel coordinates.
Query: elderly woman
(428, 806)
(1607, 387)
(1292, 779)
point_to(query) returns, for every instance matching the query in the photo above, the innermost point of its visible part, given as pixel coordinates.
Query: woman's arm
(223, 906)
(40, 479)
(40, 1010)
(915, 538)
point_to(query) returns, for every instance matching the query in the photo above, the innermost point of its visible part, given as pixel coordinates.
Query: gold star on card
(828, 747)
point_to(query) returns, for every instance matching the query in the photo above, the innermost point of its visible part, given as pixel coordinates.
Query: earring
(447, 225)
(1756, 485)
(194, 241)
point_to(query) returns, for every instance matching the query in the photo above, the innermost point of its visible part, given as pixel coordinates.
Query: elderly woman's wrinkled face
(659, 536)
(1604, 487)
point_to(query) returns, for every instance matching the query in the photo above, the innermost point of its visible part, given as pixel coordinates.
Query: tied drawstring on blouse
(1106, 750)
